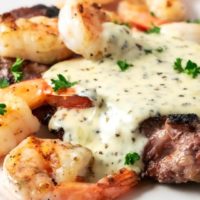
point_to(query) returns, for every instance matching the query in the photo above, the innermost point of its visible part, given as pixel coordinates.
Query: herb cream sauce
(122, 100)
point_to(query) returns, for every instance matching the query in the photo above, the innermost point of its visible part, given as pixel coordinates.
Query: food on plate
(34, 39)
(173, 149)
(49, 169)
(86, 36)
(125, 105)
(17, 122)
(29, 69)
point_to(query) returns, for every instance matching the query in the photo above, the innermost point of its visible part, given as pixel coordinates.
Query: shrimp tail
(119, 183)
(108, 188)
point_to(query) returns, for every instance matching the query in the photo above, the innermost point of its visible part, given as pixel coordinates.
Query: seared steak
(172, 154)
(38, 10)
(30, 69)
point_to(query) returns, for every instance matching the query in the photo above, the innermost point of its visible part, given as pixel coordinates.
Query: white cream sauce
(122, 100)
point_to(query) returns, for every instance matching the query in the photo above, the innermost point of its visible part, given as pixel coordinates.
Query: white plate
(146, 190)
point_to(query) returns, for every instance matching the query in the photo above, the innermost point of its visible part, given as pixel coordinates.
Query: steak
(30, 69)
(172, 154)
(38, 10)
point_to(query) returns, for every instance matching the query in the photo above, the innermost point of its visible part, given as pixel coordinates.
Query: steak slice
(38, 10)
(172, 154)
(30, 69)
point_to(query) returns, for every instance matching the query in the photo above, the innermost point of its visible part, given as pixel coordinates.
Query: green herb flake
(178, 65)
(62, 83)
(148, 51)
(4, 83)
(2, 108)
(16, 70)
(123, 65)
(191, 68)
(152, 14)
(160, 49)
(131, 158)
(154, 30)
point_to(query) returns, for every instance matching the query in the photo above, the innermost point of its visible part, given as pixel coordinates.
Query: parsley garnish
(152, 14)
(16, 70)
(4, 83)
(194, 21)
(123, 65)
(148, 51)
(191, 68)
(131, 158)
(62, 83)
(154, 29)
(160, 49)
(2, 108)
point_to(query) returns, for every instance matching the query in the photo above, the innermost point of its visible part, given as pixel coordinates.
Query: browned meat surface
(172, 154)
(44, 113)
(30, 69)
(38, 10)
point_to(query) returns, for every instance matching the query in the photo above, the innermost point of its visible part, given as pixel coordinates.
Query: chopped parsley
(16, 70)
(160, 49)
(123, 65)
(2, 108)
(148, 51)
(194, 21)
(62, 83)
(154, 29)
(4, 83)
(152, 14)
(191, 68)
(131, 158)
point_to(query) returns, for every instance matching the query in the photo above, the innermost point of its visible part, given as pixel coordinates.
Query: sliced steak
(172, 154)
(38, 10)
(30, 69)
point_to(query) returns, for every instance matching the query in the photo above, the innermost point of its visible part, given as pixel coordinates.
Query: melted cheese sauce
(122, 100)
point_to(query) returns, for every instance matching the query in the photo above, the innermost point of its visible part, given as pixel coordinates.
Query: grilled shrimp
(38, 92)
(42, 169)
(16, 123)
(36, 166)
(136, 12)
(169, 10)
(179, 30)
(81, 26)
(34, 39)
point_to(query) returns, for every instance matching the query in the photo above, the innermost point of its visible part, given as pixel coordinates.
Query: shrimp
(81, 25)
(179, 30)
(36, 166)
(19, 99)
(16, 123)
(38, 92)
(169, 10)
(34, 39)
(137, 13)
(42, 169)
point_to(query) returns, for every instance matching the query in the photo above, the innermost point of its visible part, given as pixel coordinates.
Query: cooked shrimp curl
(16, 123)
(19, 99)
(80, 25)
(42, 169)
(34, 39)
